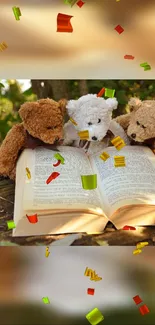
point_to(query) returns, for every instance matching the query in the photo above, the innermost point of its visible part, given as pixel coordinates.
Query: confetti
(119, 29)
(57, 164)
(137, 251)
(104, 156)
(118, 143)
(53, 176)
(101, 242)
(119, 161)
(3, 46)
(11, 224)
(33, 218)
(137, 300)
(45, 300)
(59, 157)
(17, 12)
(128, 228)
(94, 317)
(109, 92)
(90, 291)
(1, 85)
(71, 119)
(88, 271)
(28, 173)
(147, 67)
(89, 182)
(70, 2)
(47, 253)
(63, 23)
(129, 57)
(80, 3)
(142, 244)
(84, 135)
(144, 310)
(101, 92)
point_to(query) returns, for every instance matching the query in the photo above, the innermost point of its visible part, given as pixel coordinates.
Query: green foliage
(11, 98)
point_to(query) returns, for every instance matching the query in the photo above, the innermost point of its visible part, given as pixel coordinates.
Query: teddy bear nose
(94, 138)
(133, 135)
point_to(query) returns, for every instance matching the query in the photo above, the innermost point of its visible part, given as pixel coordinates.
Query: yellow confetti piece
(28, 173)
(47, 253)
(142, 244)
(118, 143)
(119, 161)
(137, 251)
(88, 272)
(104, 156)
(71, 119)
(98, 279)
(3, 46)
(84, 135)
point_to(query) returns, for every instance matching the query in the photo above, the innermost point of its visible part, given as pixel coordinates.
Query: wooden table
(112, 236)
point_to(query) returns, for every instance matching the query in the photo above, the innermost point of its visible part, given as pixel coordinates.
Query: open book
(124, 195)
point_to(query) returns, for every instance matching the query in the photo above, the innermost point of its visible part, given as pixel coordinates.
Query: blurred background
(93, 50)
(14, 92)
(26, 276)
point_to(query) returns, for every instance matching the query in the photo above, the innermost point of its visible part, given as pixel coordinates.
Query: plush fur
(42, 124)
(139, 124)
(94, 114)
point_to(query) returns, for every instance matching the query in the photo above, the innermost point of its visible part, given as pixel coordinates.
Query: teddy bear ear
(112, 104)
(62, 104)
(134, 103)
(72, 107)
(28, 109)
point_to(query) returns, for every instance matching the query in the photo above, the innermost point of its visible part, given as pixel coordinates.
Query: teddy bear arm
(123, 120)
(9, 150)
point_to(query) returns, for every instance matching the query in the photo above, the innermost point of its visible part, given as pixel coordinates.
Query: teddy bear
(93, 114)
(42, 125)
(139, 124)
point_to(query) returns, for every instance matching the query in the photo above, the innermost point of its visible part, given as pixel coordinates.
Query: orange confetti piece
(63, 23)
(101, 92)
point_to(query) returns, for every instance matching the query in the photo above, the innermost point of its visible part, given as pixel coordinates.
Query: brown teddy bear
(139, 124)
(42, 124)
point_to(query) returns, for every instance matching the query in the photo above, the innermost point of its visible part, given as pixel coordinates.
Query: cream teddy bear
(93, 114)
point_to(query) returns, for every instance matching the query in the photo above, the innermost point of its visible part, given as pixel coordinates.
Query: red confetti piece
(33, 218)
(101, 92)
(52, 177)
(80, 3)
(119, 29)
(90, 291)
(129, 57)
(128, 228)
(57, 164)
(137, 300)
(144, 310)
(63, 23)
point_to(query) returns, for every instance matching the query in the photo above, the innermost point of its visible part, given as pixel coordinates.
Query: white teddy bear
(93, 114)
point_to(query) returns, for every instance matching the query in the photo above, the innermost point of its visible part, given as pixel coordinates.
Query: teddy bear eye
(99, 120)
(90, 123)
(138, 123)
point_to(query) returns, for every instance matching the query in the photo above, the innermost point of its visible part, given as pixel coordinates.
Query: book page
(64, 192)
(132, 184)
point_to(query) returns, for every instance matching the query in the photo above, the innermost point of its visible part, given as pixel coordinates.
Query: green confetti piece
(94, 317)
(89, 182)
(143, 64)
(70, 2)
(16, 12)
(109, 92)
(1, 85)
(11, 224)
(59, 157)
(46, 300)
(147, 67)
